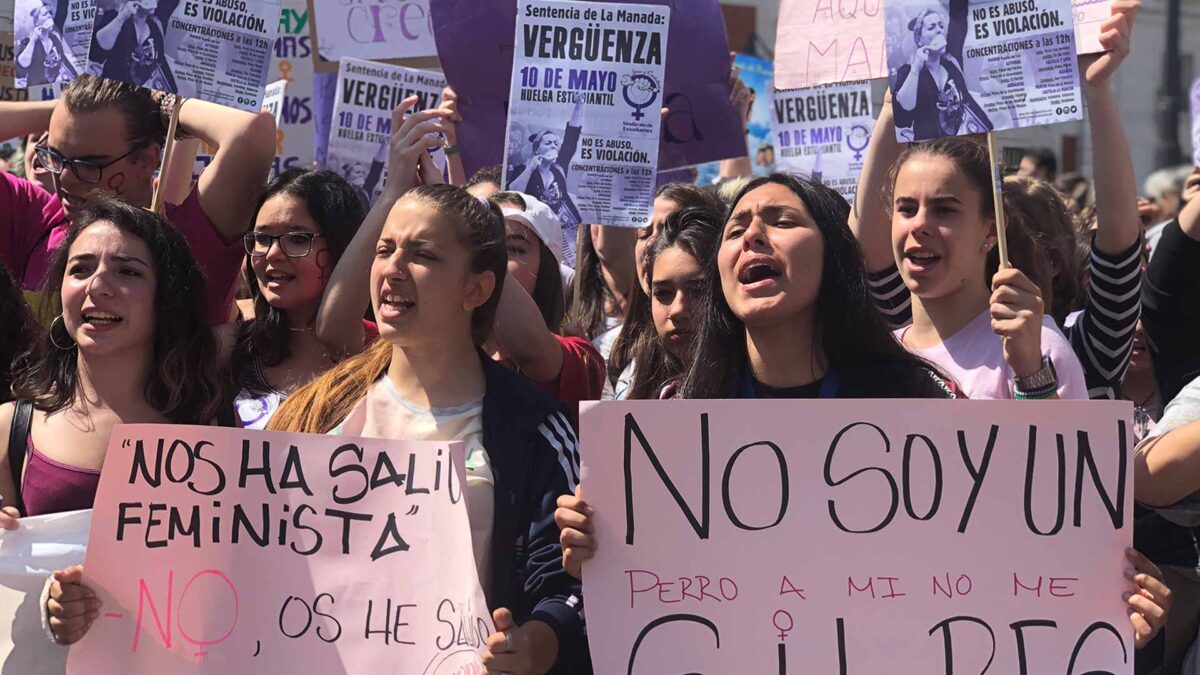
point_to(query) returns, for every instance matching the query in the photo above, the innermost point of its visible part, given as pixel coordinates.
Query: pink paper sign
(828, 41)
(784, 537)
(1089, 15)
(236, 551)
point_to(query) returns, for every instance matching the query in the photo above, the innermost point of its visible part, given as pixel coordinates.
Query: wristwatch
(1042, 384)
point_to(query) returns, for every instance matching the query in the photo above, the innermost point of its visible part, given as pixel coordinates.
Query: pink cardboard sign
(236, 551)
(829, 41)
(1089, 15)
(906, 537)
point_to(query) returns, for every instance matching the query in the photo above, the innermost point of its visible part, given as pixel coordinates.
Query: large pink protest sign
(237, 551)
(828, 41)
(907, 537)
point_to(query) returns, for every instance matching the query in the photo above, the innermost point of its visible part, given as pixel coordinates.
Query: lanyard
(829, 385)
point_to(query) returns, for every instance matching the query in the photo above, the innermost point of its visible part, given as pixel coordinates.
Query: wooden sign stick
(998, 196)
(156, 203)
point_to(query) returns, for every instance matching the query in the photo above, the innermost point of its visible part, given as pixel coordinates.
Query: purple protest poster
(475, 45)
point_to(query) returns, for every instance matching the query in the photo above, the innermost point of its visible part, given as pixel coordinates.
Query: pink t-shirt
(974, 358)
(28, 218)
(36, 226)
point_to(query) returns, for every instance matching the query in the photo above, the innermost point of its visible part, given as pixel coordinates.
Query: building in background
(751, 27)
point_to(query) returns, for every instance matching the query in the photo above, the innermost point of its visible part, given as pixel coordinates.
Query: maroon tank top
(53, 487)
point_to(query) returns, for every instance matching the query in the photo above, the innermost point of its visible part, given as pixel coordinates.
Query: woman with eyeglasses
(107, 137)
(303, 222)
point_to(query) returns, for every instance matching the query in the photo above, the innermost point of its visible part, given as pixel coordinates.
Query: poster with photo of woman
(129, 41)
(961, 67)
(50, 45)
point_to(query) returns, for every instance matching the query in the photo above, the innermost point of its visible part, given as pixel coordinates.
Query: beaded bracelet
(166, 108)
(1041, 393)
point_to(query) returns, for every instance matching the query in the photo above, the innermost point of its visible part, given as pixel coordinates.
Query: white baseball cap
(539, 218)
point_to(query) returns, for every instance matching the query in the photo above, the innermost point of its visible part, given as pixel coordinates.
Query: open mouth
(758, 272)
(394, 305)
(276, 278)
(921, 259)
(101, 319)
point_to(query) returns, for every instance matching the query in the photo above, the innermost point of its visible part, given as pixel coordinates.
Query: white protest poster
(972, 66)
(780, 537)
(822, 133)
(292, 62)
(28, 555)
(374, 29)
(213, 50)
(1088, 17)
(52, 38)
(583, 122)
(1195, 99)
(273, 96)
(366, 94)
(828, 41)
(221, 551)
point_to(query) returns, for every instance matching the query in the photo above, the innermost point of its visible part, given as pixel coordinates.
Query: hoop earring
(55, 342)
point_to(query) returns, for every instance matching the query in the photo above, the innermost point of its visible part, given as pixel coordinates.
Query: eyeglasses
(293, 244)
(85, 171)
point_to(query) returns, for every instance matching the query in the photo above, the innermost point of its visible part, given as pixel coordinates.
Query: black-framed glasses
(293, 244)
(86, 171)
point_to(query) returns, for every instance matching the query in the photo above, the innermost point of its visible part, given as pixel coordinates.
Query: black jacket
(535, 458)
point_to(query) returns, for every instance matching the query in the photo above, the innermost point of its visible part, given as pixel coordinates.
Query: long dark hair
(639, 324)
(587, 310)
(850, 328)
(185, 382)
(17, 331)
(333, 203)
(695, 232)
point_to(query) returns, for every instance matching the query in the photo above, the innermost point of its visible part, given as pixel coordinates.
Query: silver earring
(55, 342)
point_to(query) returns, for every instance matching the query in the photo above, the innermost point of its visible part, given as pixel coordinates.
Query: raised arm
(956, 28)
(456, 172)
(106, 35)
(348, 293)
(24, 118)
(245, 145)
(1118, 227)
(523, 337)
(869, 216)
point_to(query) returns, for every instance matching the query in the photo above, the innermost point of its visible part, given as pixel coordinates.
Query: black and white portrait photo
(42, 54)
(129, 42)
(544, 175)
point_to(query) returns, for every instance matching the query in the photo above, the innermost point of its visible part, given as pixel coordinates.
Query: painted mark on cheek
(116, 183)
(325, 264)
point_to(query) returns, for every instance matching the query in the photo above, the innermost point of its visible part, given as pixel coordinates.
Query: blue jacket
(535, 458)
